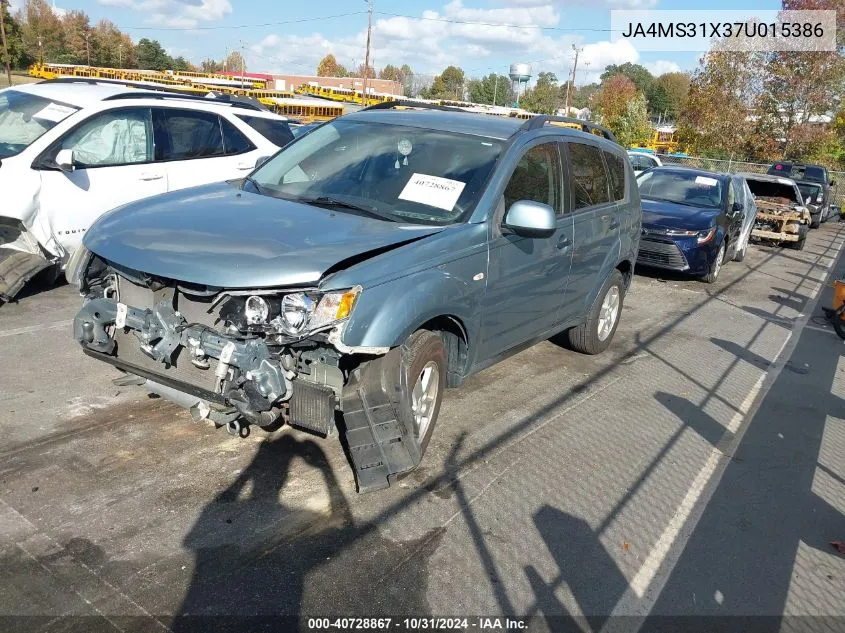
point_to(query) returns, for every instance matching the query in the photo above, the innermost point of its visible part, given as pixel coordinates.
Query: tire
(423, 353)
(587, 337)
(716, 266)
(802, 238)
(816, 222)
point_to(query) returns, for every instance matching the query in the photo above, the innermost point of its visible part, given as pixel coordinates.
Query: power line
(501, 24)
(239, 26)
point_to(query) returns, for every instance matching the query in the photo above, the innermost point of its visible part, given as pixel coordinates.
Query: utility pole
(225, 59)
(243, 62)
(120, 55)
(495, 89)
(572, 82)
(5, 47)
(88, 47)
(367, 54)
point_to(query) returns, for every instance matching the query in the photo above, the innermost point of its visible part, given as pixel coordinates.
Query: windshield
(809, 191)
(689, 188)
(399, 173)
(24, 117)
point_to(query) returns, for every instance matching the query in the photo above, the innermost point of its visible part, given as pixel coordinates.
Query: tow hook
(238, 428)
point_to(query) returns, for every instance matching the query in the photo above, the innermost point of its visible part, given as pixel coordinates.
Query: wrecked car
(782, 216)
(814, 200)
(70, 150)
(372, 263)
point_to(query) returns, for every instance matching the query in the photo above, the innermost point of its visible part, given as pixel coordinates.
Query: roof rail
(403, 103)
(151, 91)
(218, 99)
(589, 127)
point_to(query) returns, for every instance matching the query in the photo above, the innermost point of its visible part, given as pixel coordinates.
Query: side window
(234, 141)
(536, 177)
(119, 137)
(277, 132)
(184, 134)
(616, 172)
(587, 175)
(731, 194)
(637, 163)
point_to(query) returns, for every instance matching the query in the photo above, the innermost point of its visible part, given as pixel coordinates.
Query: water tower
(519, 74)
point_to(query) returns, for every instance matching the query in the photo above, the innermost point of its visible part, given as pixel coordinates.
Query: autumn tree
(611, 100)
(111, 47)
(234, 62)
(583, 96)
(722, 92)
(42, 32)
(328, 67)
(363, 70)
(391, 73)
(494, 89)
(637, 73)
(77, 34)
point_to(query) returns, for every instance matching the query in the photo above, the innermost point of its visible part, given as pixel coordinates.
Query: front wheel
(716, 266)
(802, 238)
(594, 336)
(422, 383)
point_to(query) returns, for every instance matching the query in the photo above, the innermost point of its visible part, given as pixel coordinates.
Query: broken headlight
(302, 312)
(76, 266)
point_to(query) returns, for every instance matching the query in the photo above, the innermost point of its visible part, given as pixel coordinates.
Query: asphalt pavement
(695, 469)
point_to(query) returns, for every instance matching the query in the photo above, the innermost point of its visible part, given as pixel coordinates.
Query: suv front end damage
(246, 357)
(21, 258)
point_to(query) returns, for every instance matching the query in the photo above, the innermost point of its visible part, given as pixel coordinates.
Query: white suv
(72, 150)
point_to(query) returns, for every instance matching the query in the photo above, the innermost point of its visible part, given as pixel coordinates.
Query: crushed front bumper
(760, 234)
(222, 375)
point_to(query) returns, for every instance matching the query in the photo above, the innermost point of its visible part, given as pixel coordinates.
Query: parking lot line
(36, 328)
(646, 586)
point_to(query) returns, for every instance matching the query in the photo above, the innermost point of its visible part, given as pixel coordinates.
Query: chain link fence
(734, 166)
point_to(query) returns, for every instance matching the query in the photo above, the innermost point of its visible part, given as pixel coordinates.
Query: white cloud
(661, 67)
(175, 13)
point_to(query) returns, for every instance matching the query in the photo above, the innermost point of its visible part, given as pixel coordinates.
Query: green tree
(447, 85)
(658, 99)
(407, 79)
(632, 127)
(18, 57)
(640, 75)
(182, 64)
(150, 55)
(391, 73)
(544, 97)
(494, 89)
(676, 86)
(583, 96)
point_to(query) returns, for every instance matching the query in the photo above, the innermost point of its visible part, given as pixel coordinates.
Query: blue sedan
(693, 220)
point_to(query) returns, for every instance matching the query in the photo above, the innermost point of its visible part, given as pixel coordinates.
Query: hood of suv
(668, 215)
(218, 235)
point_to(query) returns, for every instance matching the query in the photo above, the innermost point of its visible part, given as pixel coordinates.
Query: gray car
(371, 264)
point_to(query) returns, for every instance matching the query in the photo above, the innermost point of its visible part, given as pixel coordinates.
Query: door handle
(613, 225)
(152, 175)
(563, 242)
(246, 166)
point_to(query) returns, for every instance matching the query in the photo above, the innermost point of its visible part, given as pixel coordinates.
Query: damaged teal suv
(364, 269)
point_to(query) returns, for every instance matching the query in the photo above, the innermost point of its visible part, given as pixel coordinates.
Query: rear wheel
(594, 336)
(716, 266)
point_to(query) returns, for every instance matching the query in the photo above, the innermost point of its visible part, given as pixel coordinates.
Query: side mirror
(737, 207)
(261, 160)
(531, 219)
(832, 183)
(64, 160)
(808, 200)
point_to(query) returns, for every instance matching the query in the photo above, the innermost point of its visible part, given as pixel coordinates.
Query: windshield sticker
(405, 147)
(54, 112)
(433, 191)
(704, 180)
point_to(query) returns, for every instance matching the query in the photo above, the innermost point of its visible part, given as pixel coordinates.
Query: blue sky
(451, 34)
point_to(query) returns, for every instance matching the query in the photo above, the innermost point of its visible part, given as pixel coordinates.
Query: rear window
(799, 172)
(587, 175)
(616, 173)
(275, 131)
